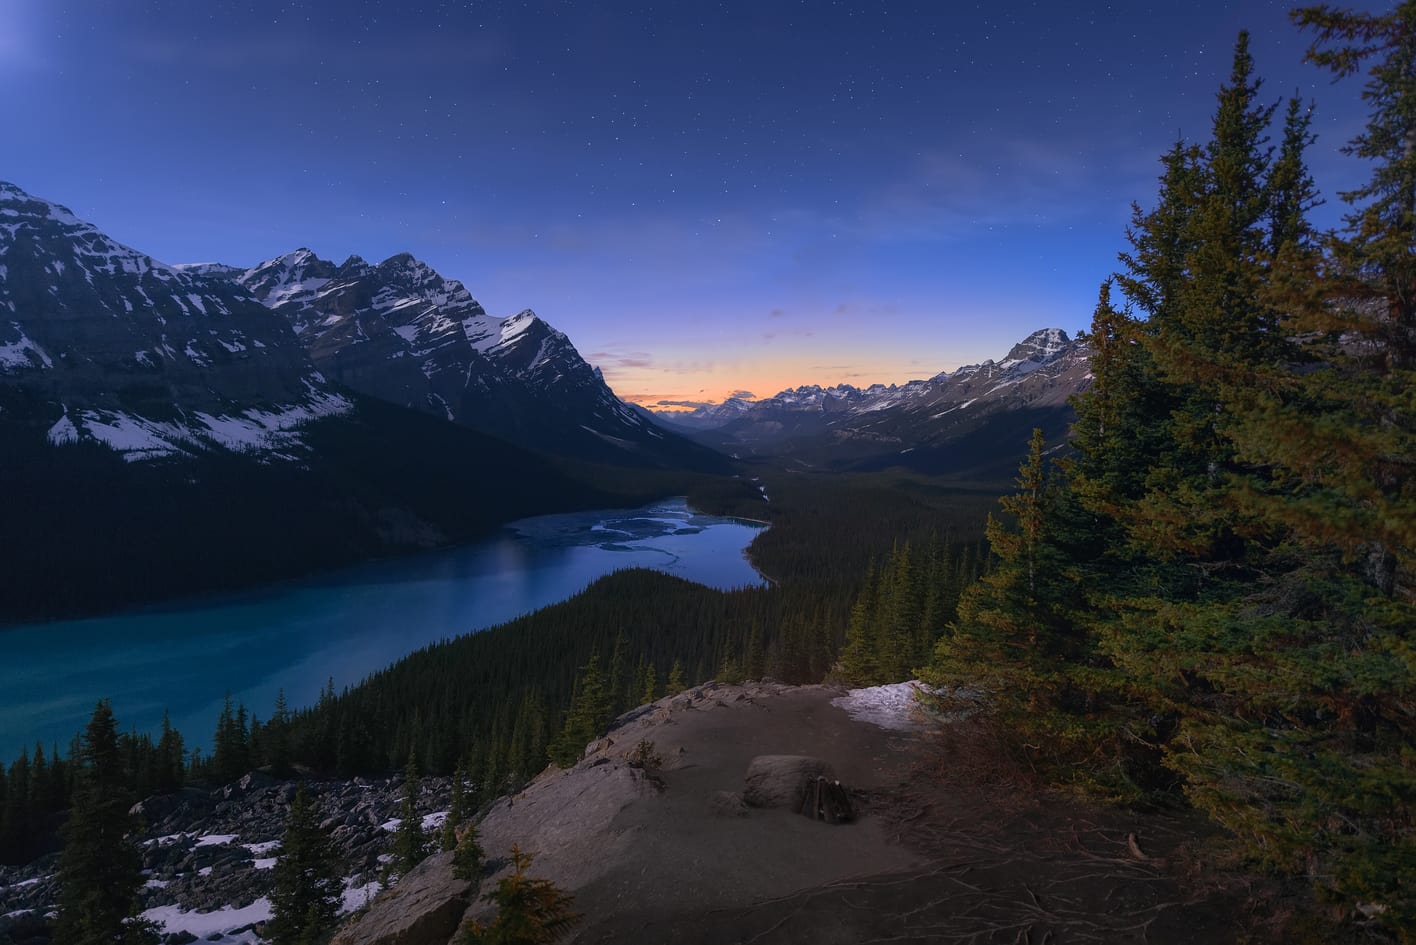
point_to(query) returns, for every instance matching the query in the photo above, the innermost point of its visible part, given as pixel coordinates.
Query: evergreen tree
(171, 757)
(529, 911)
(648, 683)
(860, 657)
(468, 857)
(676, 682)
(277, 738)
(100, 869)
(587, 716)
(306, 885)
(456, 812)
(410, 843)
(1016, 638)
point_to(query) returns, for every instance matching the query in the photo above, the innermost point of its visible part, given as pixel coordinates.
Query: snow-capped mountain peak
(1040, 346)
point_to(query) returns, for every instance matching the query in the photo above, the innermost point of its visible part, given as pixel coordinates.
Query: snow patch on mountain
(23, 353)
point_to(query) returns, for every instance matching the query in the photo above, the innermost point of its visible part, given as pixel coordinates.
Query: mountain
(971, 422)
(399, 331)
(165, 432)
(137, 355)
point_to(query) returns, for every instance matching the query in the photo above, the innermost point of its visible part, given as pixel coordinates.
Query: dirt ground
(933, 857)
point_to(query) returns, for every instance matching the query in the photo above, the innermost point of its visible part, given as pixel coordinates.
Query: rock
(775, 780)
(727, 804)
(423, 909)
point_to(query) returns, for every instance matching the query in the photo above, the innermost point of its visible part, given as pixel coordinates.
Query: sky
(709, 198)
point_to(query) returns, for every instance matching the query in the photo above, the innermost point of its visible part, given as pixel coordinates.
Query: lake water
(341, 625)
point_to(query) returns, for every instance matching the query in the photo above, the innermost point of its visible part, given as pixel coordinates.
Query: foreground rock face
(425, 908)
(635, 845)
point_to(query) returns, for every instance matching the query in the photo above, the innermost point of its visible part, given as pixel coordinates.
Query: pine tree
(171, 756)
(587, 716)
(410, 843)
(860, 657)
(277, 738)
(100, 869)
(1016, 639)
(676, 682)
(456, 812)
(530, 911)
(306, 884)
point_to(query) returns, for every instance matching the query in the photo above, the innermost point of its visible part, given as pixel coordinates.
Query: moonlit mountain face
(399, 331)
(101, 343)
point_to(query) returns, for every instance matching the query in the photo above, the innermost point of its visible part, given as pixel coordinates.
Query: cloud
(690, 404)
(621, 360)
(777, 313)
(743, 395)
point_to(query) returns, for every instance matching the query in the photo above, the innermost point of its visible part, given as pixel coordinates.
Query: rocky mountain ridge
(118, 349)
(397, 330)
(956, 421)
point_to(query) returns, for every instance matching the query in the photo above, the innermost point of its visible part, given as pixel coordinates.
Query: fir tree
(468, 857)
(306, 885)
(676, 682)
(410, 843)
(100, 869)
(530, 911)
(456, 812)
(648, 684)
(587, 716)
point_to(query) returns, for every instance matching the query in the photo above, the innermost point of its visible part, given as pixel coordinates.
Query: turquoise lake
(341, 625)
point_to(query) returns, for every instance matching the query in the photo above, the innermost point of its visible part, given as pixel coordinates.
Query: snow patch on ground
(219, 926)
(890, 707)
(216, 839)
(359, 896)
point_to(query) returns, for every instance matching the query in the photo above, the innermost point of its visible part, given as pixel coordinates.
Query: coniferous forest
(1206, 601)
(1211, 599)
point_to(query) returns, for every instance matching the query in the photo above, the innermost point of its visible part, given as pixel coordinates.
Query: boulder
(776, 780)
(423, 909)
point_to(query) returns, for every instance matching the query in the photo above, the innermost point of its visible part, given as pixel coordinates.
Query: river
(339, 625)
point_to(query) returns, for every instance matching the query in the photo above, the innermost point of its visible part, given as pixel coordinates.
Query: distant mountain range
(971, 422)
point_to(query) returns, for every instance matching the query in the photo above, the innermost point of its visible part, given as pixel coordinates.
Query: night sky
(707, 197)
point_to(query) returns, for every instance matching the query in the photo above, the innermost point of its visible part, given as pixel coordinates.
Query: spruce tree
(530, 911)
(456, 812)
(587, 716)
(676, 682)
(1016, 642)
(100, 869)
(306, 885)
(410, 843)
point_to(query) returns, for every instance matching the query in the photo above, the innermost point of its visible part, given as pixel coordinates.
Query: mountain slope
(163, 432)
(399, 331)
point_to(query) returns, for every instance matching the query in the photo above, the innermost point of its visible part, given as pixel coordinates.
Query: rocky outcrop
(425, 908)
(776, 780)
